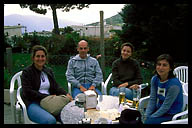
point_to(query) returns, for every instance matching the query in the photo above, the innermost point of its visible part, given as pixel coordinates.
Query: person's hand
(92, 87)
(135, 86)
(123, 85)
(98, 56)
(82, 88)
(69, 96)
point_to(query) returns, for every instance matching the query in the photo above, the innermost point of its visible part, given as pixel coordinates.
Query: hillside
(114, 20)
(35, 23)
(40, 23)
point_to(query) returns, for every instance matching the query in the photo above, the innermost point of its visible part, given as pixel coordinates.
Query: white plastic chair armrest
(103, 88)
(184, 86)
(106, 83)
(12, 94)
(180, 114)
(20, 101)
(18, 106)
(182, 121)
(69, 88)
(143, 102)
(108, 79)
(11, 91)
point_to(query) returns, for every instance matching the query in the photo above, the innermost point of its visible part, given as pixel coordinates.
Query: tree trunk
(55, 21)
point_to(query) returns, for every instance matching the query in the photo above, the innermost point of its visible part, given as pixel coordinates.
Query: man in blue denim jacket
(83, 71)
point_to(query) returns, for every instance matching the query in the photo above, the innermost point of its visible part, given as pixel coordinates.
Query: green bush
(58, 60)
(69, 44)
(7, 79)
(20, 61)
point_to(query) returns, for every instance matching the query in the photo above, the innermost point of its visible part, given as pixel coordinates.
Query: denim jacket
(81, 71)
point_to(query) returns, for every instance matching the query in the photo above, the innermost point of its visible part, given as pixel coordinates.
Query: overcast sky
(84, 16)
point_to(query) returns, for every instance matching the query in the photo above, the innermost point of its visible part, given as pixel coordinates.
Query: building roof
(13, 27)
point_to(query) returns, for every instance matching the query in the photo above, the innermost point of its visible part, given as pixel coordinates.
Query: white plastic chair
(182, 121)
(106, 83)
(181, 73)
(17, 104)
(15, 78)
(103, 90)
(23, 106)
(184, 114)
(185, 88)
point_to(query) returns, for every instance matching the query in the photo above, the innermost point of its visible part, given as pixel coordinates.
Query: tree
(159, 28)
(6, 42)
(66, 30)
(42, 9)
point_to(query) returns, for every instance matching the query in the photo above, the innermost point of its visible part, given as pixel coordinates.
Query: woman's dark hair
(37, 48)
(169, 59)
(128, 44)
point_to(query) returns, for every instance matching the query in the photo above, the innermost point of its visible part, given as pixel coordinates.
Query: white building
(14, 30)
(95, 30)
(43, 33)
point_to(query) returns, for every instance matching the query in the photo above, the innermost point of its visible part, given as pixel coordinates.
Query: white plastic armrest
(106, 82)
(184, 86)
(18, 106)
(11, 92)
(182, 121)
(143, 102)
(69, 88)
(20, 101)
(103, 88)
(180, 114)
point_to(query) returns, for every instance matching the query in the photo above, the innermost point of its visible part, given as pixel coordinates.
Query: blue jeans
(39, 115)
(158, 120)
(114, 91)
(87, 86)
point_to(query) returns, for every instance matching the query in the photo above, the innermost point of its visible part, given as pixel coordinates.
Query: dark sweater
(30, 81)
(126, 71)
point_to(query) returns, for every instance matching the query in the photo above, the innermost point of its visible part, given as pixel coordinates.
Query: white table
(108, 108)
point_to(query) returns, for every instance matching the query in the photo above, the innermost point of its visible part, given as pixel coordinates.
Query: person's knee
(113, 91)
(149, 120)
(152, 120)
(49, 120)
(110, 91)
(75, 92)
(44, 119)
(98, 91)
(128, 94)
